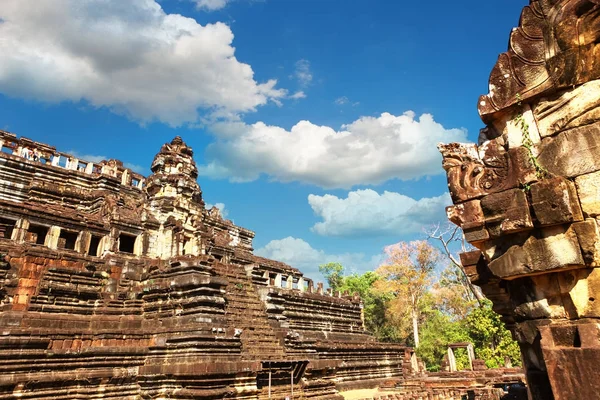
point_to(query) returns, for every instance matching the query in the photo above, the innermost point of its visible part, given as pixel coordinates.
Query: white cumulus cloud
(129, 56)
(366, 212)
(370, 150)
(211, 5)
(300, 254)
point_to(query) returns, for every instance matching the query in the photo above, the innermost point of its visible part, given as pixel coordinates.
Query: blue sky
(314, 122)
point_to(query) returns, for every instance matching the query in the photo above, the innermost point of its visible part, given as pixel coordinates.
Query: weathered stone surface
(582, 288)
(555, 201)
(469, 216)
(589, 241)
(467, 178)
(510, 125)
(548, 249)
(543, 110)
(476, 171)
(554, 47)
(572, 153)
(475, 267)
(506, 212)
(588, 189)
(537, 297)
(568, 109)
(572, 354)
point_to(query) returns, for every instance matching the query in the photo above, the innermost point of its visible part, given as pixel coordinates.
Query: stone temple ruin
(527, 196)
(113, 285)
(118, 286)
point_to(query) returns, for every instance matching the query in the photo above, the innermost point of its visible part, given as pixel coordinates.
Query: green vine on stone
(540, 171)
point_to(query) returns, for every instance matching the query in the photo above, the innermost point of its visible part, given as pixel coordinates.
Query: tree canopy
(408, 299)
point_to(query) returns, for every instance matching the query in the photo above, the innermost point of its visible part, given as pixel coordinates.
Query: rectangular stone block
(537, 297)
(522, 170)
(569, 109)
(588, 189)
(469, 216)
(549, 249)
(582, 286)
(475, 267)
(572, 153)
(510, 126)
(555, 202)
(506, 212)
(589, 241)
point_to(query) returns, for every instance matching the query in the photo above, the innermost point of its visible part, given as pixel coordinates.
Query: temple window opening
(37, 234)
(126, 243)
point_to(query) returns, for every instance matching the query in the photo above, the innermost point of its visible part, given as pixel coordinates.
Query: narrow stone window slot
(94, 243)
(576, 338)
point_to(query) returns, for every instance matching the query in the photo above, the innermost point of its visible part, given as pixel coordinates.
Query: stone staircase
(244, 310)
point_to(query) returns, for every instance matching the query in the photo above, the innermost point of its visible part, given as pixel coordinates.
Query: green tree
(437, 331)
(333, 273)
(491, 339)
(374, 303)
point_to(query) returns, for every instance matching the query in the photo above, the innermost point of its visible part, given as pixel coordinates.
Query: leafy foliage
(406, 275)
(406, 289)
(334, 273)
(492, 341)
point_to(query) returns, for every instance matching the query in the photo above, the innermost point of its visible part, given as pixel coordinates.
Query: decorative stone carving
(540, 261)
(554, 47)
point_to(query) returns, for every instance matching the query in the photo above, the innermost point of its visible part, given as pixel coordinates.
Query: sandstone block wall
(526, 195)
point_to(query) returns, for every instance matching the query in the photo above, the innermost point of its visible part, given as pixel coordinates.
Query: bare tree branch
(446, 237)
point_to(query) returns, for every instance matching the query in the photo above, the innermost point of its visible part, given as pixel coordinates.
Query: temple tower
(175, 201)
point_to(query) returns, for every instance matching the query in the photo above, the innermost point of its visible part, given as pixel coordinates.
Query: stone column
(21, 227)
(138, 245)
(125, 177)
(451, 360)
(278, 280)
(82, 245)
(301, 284)
(290, 282)
(471, 355)
(320, 287)
(52, 237)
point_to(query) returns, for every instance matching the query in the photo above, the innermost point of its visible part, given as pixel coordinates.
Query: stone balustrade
(44, 154)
